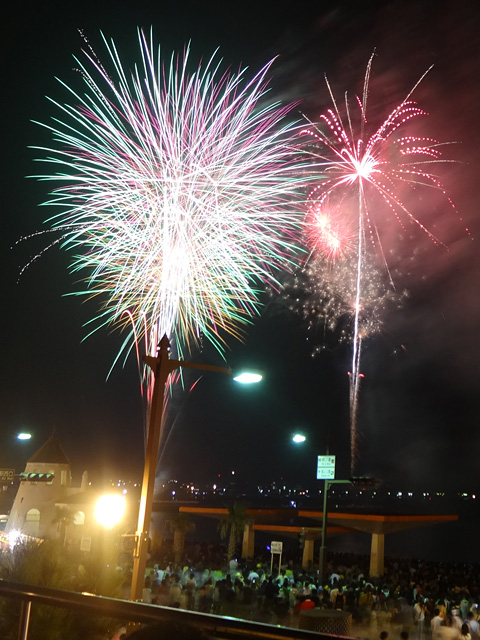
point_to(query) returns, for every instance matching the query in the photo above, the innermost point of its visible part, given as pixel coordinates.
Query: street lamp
(162, 366)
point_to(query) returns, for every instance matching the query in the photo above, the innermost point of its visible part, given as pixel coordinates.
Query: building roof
(51, 451)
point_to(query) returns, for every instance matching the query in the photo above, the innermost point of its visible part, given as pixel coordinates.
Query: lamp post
(323, 548)
(162, 366)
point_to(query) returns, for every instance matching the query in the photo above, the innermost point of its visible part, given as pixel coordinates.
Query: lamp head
(247, 377)
(298, 438)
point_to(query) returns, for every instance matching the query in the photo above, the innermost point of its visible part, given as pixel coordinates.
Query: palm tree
(64, 517)
(180, 525)
(232, 526)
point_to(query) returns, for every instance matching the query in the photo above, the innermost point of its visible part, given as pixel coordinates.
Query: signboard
(85, 544)
(325, 467)
(276, 547)
(129, 542)
(7, 475)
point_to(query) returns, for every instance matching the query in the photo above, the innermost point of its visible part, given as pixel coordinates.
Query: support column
(307, 558)
(248, 543)
(377, 554)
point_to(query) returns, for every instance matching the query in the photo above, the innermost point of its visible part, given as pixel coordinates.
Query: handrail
(225, 627)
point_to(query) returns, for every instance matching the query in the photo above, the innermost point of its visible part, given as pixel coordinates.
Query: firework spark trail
(364, 176)
(180, 193)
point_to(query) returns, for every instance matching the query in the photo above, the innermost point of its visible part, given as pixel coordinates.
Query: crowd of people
(413, 599)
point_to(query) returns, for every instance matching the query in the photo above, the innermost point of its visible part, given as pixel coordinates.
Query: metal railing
(139, 612)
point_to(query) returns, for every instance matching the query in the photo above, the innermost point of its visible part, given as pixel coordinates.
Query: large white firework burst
(179, 192)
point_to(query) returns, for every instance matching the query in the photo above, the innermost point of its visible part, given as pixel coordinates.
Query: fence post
(25, 611)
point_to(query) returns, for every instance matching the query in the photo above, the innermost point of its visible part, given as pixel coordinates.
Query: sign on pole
(325, 467)
(7, 475)
(276, 548)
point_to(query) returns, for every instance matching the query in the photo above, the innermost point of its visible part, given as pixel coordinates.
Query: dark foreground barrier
(214, 626)
(327, 621)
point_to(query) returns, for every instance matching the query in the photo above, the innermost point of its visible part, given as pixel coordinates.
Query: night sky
(419, 409)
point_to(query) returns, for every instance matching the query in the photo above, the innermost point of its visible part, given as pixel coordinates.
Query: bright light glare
(109, 510)
(24, 436)
(14, 537)
(298, 437)
(247, 377)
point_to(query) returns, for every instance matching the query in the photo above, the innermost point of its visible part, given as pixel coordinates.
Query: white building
(36, 505)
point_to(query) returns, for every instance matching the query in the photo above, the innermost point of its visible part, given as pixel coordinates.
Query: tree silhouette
(180, 525)
(64, 517)
(231, 526)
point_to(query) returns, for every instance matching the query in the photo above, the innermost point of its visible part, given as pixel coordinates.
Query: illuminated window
(79, 518)
(33, 515)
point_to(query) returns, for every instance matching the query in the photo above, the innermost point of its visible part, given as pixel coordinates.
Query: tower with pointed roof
(45, 485)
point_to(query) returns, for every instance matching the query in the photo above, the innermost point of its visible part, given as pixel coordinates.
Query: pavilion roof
(275, 519)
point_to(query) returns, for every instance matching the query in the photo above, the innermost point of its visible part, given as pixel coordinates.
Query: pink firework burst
(369, 177)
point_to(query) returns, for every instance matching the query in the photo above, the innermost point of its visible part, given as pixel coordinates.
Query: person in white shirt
(436, 623)
(419, 617)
